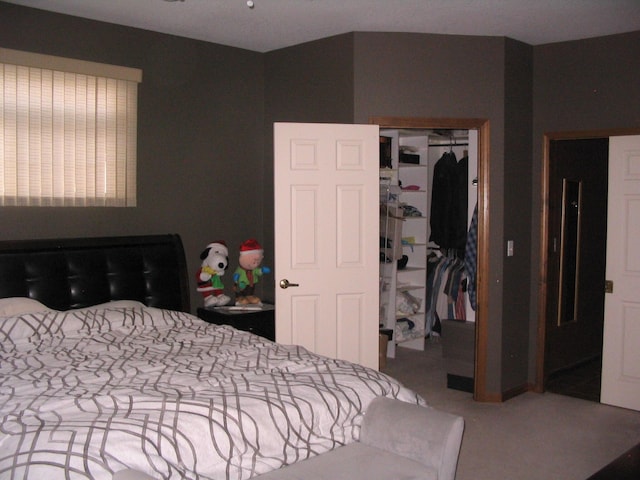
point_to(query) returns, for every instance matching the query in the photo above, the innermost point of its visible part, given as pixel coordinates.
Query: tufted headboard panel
(80, 272)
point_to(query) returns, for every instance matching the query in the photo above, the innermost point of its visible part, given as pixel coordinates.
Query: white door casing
(621, 336)
(326, 238)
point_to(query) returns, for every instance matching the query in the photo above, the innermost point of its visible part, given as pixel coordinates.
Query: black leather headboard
(80, 272)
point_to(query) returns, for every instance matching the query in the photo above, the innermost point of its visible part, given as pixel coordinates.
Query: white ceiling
(274, 24)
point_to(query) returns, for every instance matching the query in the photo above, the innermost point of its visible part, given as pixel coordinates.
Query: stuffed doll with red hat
(248, 273)
(214, 263)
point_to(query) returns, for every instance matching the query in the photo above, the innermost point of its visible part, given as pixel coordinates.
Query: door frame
(482, 126)
(544, 232)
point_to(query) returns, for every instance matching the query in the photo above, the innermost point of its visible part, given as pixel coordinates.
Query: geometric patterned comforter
(86, 393)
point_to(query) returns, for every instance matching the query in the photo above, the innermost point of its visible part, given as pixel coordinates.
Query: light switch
(509, 248)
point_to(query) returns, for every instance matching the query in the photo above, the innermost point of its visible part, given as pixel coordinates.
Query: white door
(621, 343)
(326, 238)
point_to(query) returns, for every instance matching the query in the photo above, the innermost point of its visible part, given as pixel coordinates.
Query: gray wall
(200, 135)
(518, 105)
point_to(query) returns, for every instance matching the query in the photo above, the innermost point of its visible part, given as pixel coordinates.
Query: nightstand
(251, 319)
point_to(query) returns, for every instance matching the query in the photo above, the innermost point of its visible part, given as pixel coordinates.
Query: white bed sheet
(87, 393)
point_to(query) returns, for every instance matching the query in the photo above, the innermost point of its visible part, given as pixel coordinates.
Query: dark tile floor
(581, 381)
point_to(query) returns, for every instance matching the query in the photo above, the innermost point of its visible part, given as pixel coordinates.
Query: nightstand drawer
(260, 322)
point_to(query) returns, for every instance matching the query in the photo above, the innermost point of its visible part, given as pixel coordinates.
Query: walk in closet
(428, 193)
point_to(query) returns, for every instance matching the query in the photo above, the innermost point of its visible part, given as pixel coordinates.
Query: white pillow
(114, 304)
(121, 304)
(19, 306)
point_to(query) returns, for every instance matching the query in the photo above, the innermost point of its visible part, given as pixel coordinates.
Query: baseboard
(457, 382)
(514, 392)
(467, 384)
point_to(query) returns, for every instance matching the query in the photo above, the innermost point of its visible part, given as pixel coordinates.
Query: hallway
(581, 381)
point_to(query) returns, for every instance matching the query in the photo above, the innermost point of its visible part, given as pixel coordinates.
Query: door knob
(286, 284)
(608, 286)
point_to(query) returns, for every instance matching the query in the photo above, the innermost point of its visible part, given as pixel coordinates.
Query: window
(67, 131)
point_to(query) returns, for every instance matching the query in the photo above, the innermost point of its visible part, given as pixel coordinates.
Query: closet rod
(448, 144)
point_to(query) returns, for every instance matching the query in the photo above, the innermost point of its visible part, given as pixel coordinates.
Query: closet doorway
(482, 128)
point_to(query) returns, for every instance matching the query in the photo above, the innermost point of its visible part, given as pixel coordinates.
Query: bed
(103, 370)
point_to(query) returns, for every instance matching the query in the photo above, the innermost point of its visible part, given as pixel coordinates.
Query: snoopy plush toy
(214, 263)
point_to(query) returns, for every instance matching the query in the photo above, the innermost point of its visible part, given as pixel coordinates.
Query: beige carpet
(532, 436)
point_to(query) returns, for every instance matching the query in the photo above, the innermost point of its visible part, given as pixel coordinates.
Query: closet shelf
(409, 169)
(411, 269)
(408, 287)
(401, 336)
(417, 244)
(400, 315)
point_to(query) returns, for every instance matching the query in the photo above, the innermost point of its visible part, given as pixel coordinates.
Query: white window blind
(67, 131)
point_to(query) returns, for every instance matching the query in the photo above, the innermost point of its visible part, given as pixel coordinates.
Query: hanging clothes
(446, 283)
(471, 258)
(442, 200)
(449, 193)
(461, 196)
